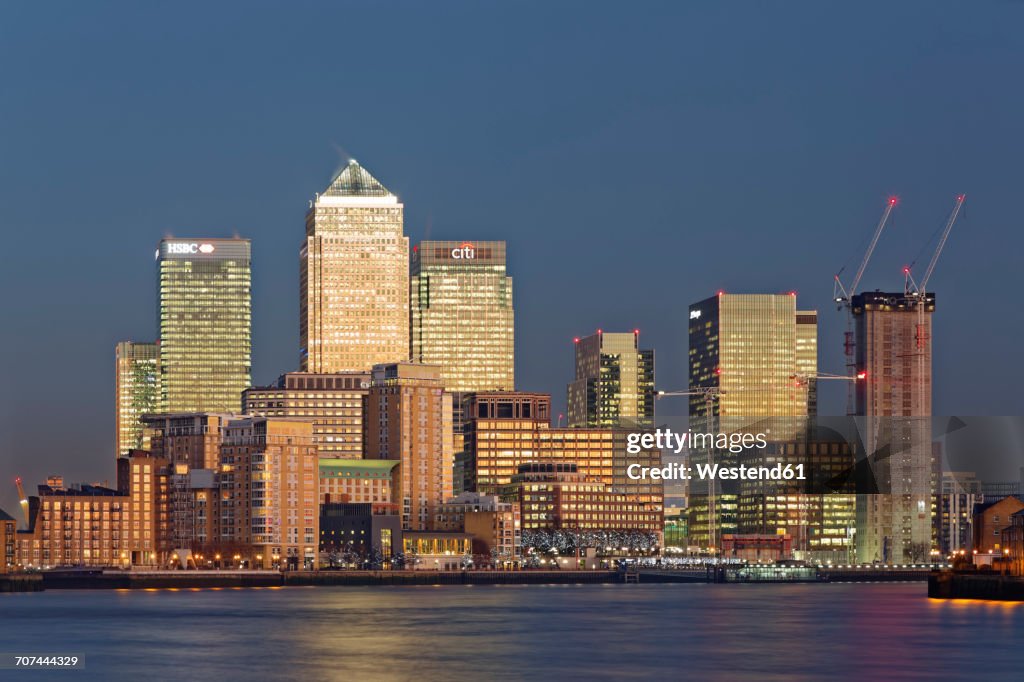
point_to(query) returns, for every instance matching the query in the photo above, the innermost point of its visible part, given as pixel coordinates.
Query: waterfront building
(8, 542)
(757, 548)
(614, 384)
(462, 318)
(557, 496)
(354, 277)
(136, 391)
(94, 525)
(494, 525)
(409, 419)
(268, 489)
(507, 429)
(371, 481)
(990, 519)
(365, 532)
(818, 513)
(954, 519)
(333, 403)
(756, 355)
(205, 317)
(893, 354)
(436, 550)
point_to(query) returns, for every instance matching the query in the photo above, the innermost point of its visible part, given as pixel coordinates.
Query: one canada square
(354, 277)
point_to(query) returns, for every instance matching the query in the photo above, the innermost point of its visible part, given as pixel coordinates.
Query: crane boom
(871, 247)
(841, 294)
(942, 242)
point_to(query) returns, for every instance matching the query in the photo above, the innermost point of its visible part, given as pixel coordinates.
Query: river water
(586, 632)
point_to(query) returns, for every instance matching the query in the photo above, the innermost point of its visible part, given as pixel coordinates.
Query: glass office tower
(354, 277)
(614, 383)
(462, 319)
(462, 315)
(758, 356)
(205, 323)
(136, 391)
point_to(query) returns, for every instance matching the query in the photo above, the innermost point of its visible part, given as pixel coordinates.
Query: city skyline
(706, 222)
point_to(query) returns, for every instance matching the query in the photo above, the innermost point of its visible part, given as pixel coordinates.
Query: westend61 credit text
(667, 439)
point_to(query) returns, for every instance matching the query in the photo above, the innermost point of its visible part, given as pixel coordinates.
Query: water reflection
(784, 632)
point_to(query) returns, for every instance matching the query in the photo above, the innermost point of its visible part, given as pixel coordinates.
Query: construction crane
(844, 298)
(802, 379)
(23, 499)
(710, 394)
(841, 294)
(917, 291)
(912, 288)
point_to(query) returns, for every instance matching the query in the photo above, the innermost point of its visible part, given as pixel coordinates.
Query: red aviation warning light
(861, 376)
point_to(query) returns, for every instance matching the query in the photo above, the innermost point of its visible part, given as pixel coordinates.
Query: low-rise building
(93, 525)
(362, 533)
(494, 525)
(989, 521)
(757, 548)
(436, 550)
(556, 496)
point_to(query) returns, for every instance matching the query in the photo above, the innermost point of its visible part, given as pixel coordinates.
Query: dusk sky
(637, 157)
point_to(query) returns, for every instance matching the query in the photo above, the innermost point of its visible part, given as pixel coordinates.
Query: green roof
(357, 468)
(356, 181)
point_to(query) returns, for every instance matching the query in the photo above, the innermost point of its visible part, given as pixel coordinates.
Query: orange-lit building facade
(268, 480)
(507, 429)
(556, 495)
(409, 419)
(91, 525)
(8, 542)
(333, 403)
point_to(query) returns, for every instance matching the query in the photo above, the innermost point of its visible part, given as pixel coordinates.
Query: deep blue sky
(636, 156)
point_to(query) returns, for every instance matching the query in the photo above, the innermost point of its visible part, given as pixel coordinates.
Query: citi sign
(465, 251)
(189, 247)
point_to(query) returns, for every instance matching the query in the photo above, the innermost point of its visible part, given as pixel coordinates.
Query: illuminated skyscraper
(614, 383)
(354, 277)
(136, 391)
(753, 348)
(755, 351)
(462, 318)
(205, 324)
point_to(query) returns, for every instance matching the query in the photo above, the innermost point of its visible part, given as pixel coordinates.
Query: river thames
(762, 632)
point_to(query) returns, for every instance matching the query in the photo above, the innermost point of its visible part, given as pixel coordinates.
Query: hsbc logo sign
(465, 251)
(179, 248)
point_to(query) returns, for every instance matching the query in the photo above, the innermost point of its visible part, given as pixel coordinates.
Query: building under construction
(894, 354)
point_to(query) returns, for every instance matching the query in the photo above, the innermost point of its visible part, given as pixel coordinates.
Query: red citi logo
(465, 251)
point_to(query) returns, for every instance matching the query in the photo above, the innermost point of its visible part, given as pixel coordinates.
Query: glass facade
(205, 324)
(354, 277)
(136, 391)
(614, 383)
(760, 354)
(462, 315)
